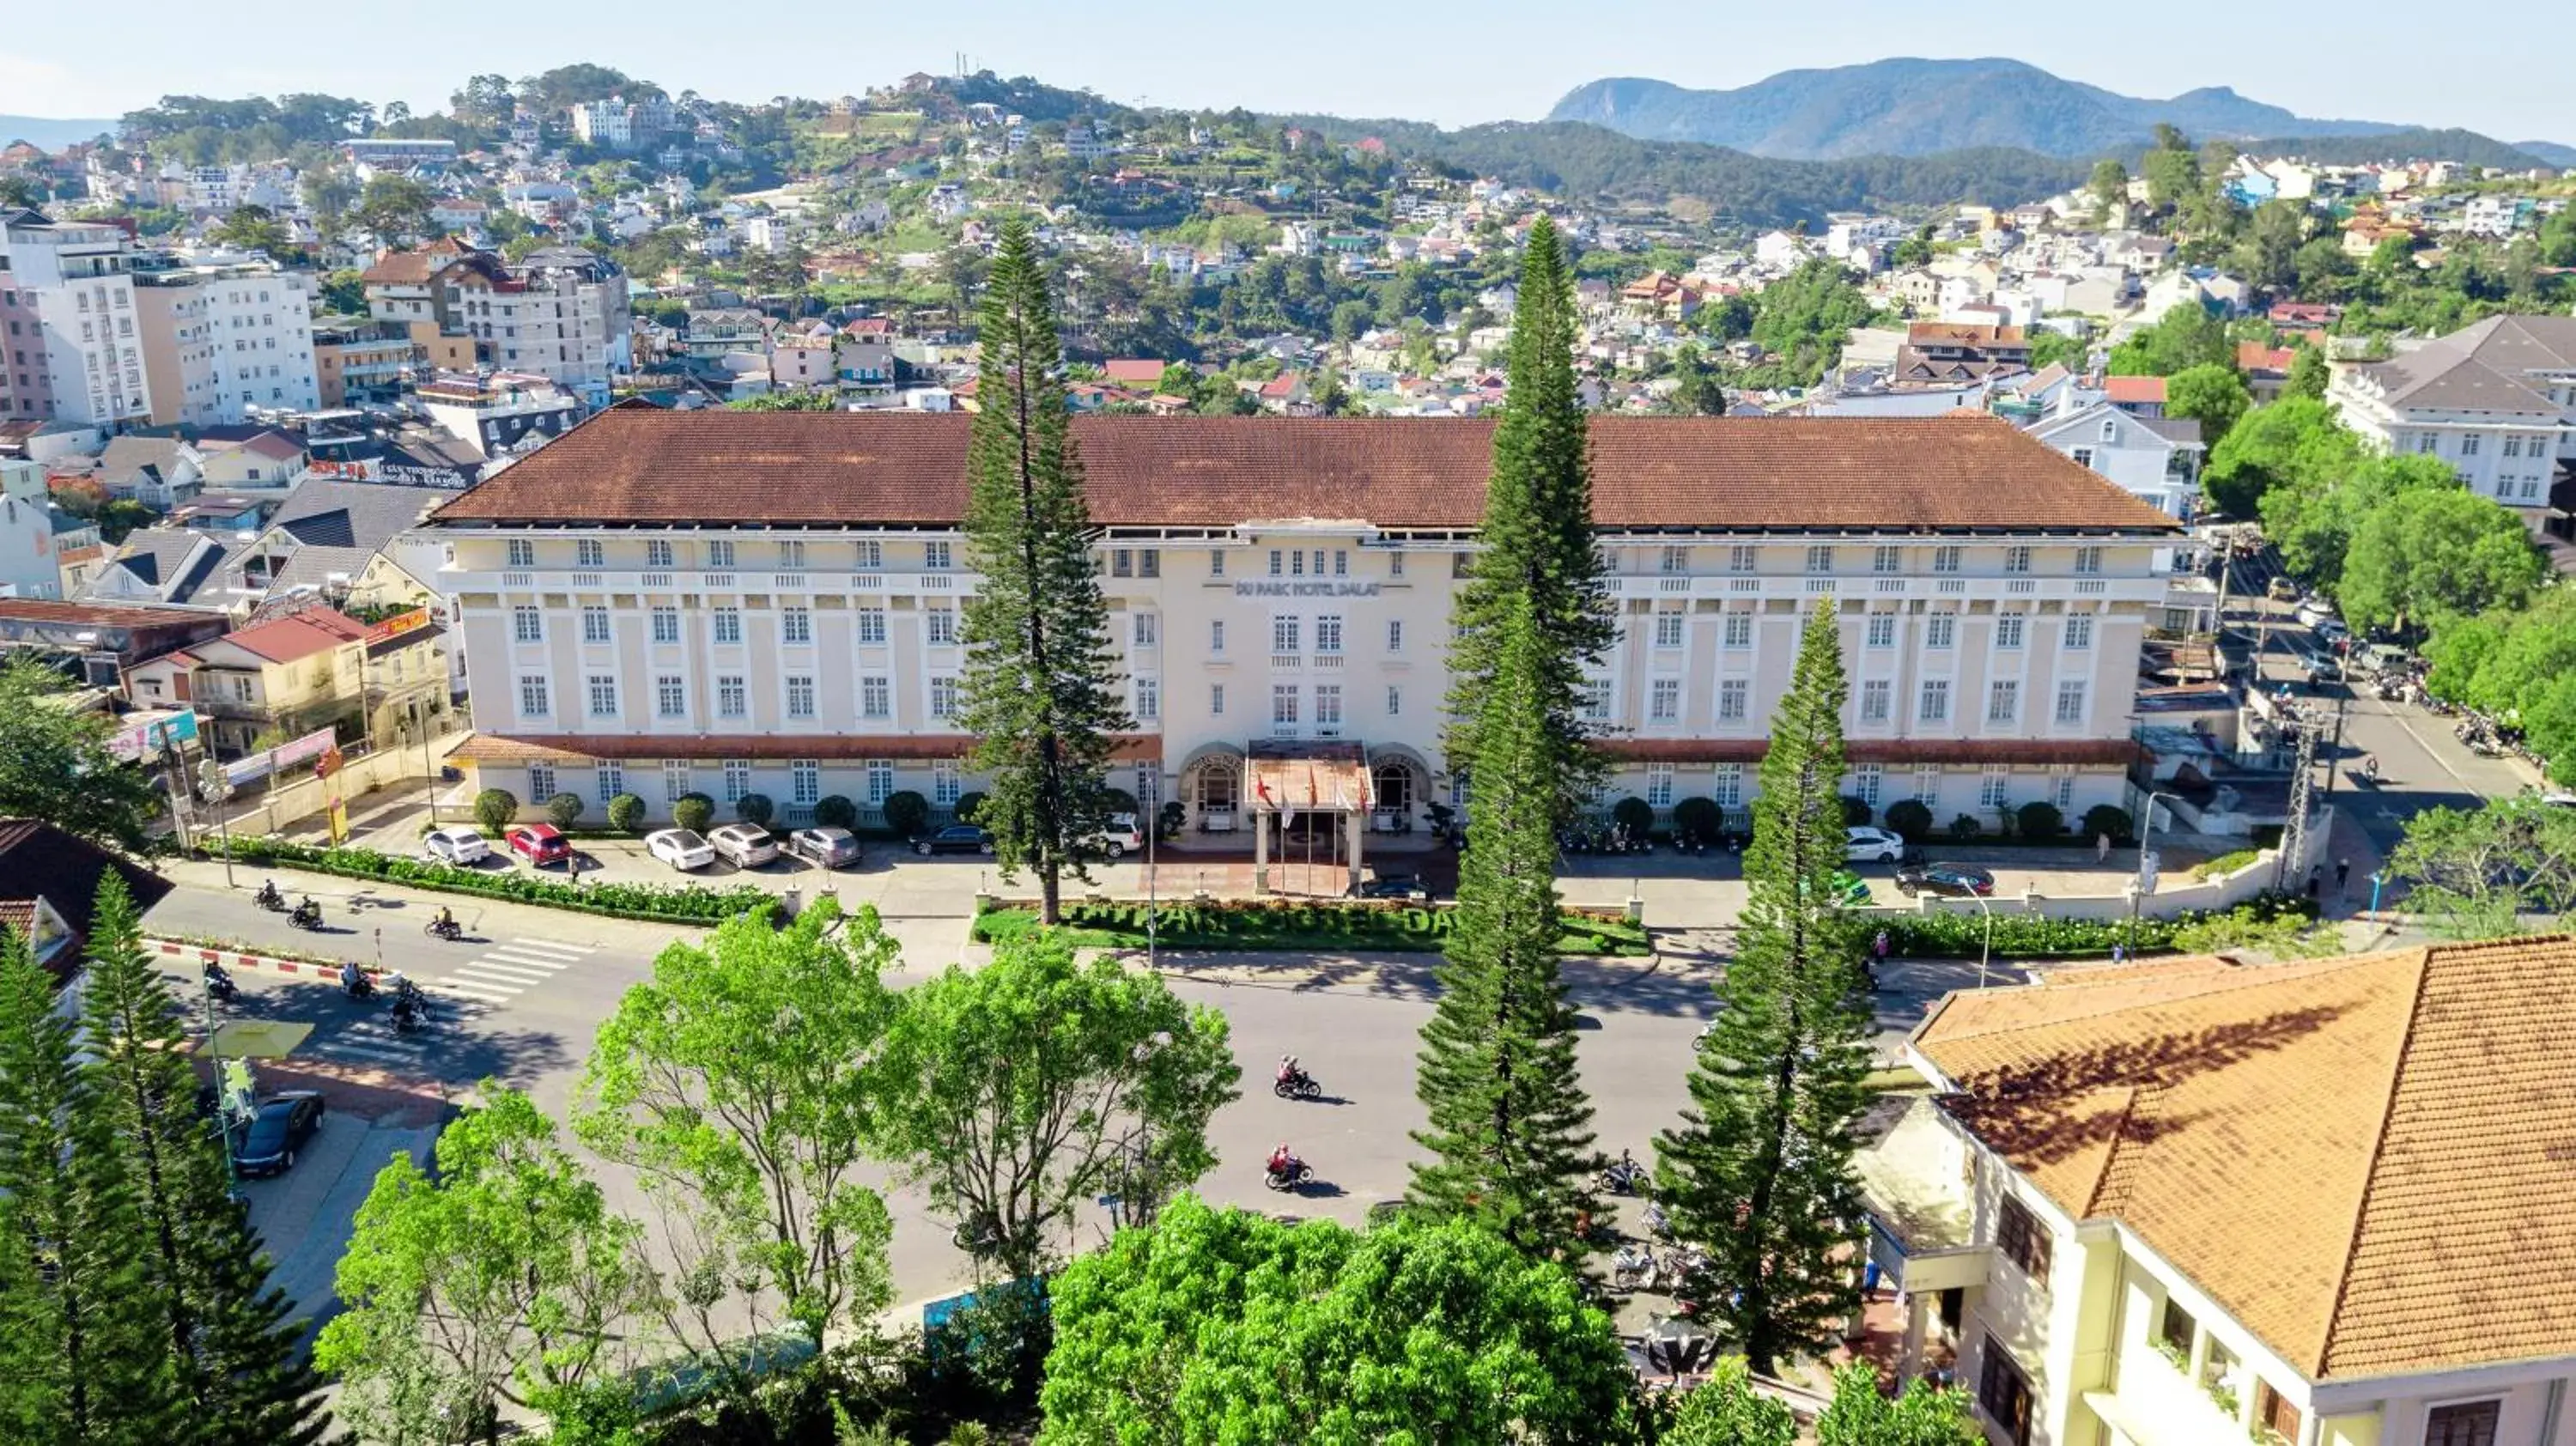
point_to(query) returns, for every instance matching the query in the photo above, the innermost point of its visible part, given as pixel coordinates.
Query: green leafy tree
(2432, 551)
(2108, 188)
(1725, 1410)
(2476, 873)
(396, 208)
(223, 1343)
(1760, 1171)
(1220, 1326)
(55, 764)
(1018, 1091)
(2187, 336)
(2292, 443)
(1041, 690)
(2214, 395)
(1922, 1415)
(751, 1134)
(1509, 1126)
(1537, 535)
(1698, 394)
(501, 1278)
(2309, 373)
(2058, 349)
(254, 228)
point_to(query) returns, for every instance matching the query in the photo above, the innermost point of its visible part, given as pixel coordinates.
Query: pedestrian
(2101, 848)
(2316, 876)
(2343, 871)
(2119, 953)
(1880, 944)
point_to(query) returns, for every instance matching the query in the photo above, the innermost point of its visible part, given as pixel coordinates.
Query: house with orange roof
(310, 668)
(2318, 1202)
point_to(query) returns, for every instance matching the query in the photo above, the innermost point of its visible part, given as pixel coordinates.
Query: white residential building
(73, 346)
(224, 339)
(2495, 400)
(2156, 459)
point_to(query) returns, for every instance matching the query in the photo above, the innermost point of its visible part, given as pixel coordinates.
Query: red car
(539, 843)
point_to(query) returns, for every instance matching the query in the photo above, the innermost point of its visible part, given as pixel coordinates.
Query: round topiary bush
(1698, 818)
(969, 805)
(2108, 820)
(494, 808)
(694, 811)
(1633, 814)
(1911, 819)
(1965, 827)
(907, 813)
(564, 809)
(755, 809)
(834, 811)
(626, 813)
(1120, 801)
(2040, 820)
(1856, 811)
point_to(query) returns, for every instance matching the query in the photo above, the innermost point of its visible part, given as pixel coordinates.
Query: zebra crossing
(464, 993)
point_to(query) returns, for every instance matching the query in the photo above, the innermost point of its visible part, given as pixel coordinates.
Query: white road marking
(508, 973)
(556, 945)
(468, 991)
(525, 960)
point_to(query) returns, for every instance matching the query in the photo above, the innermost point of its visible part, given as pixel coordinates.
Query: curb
(258, 963)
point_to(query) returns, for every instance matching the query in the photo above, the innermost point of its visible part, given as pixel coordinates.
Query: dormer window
(2110, 430)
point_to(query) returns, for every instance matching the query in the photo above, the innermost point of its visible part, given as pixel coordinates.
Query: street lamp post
(1986, 954)
(2138, 893)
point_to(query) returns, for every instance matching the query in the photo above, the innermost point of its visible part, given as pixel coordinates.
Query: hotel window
(1216, 562)
(2466, 1423)
(670, 696)
(1319, 562)
(2064, 793)
(1341, 562)
(1732, 698)
(2079, 630)
(1820, 558)
(1927, 784)
(1216, 700)
(1395, 564)
(1947, 559)
(2004, 1394)
(1940, 630)
(1668, 630)
(522, 552)
(941, 625)
(532, 697)
(1882, 630)
(876, 698)
(1275, 563)
(675, 781)
(1296, 562)
(603, 696)
(1395, 635)
(1666, 701)
(796, 625)
(737, 779)
(588, 553)
(1149, 562)
(657, 554)
(1328, 633)
(1739, 630)
(1149, 700)
(2513, 445)
(731, 699)
(2070, 702)
(1936, 701)
(871, 554)
(880, 781)
(1216, 635)
(1394, 702)
(2468, 444)
(1993, 785)
(800, 696)
(2016, 559)
(1874, 695)
(1740, 558)
(1885, 559)
(1865, 781)
(2088, 560)
(943, 697)
(541, 781)
(936, 556)
(1727, 788)
(2021, 1239)
(594, 625)
(1122, 562)
(719, 553)
(791, 556)
(2003, 701)
(728, 626)
(527, 625)
(1596, 700)
(1283, 705)
(804, 781)
(2008, 630)
(1328, 705)
(1283, 635)
(1659, 785)
(1676, 560)
(946, 782)
(872, 626)
(666, 625)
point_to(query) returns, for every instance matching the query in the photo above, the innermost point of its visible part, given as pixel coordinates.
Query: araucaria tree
(1510, 1127)
(1536, 537)
(1760, 1171)
(1042, 690)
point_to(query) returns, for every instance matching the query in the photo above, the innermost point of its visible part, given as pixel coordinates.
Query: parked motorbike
(1633, 1268)
(1657, 1224)
(1624, 1176)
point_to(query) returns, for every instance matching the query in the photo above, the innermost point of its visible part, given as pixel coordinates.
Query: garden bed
(1305, 926)
(2036, 936)
(651, 903)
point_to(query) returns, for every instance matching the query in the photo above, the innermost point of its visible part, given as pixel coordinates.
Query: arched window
(1391, 788)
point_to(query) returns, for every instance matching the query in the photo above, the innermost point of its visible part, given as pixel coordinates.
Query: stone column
(1357, 822)
(1260, 849)
(1909, 1359)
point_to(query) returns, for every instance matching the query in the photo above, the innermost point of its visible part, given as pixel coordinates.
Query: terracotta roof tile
(2361, 1158)
(2134, 389)
(883, 468)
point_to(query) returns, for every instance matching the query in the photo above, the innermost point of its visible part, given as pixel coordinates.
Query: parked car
(957, 838)
(539, 843)
(1956, 881)
(745, 845)
(681, 848)
(2314, 612)
(284, 1122)
(455, 845)
(2282, 590)
(1407, 887)
(828, 848)
(1120, 837)
(1865, 845)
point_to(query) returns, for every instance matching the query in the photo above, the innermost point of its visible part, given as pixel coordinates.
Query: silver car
(744, 845)
(830, 848)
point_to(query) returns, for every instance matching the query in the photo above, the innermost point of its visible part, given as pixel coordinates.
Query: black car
(957, 838)
(267, 1144)
(1407, 887)
(1956, 881)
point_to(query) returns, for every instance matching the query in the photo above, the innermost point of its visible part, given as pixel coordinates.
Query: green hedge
(658, 903)
(2027, 936)
(1286, 925)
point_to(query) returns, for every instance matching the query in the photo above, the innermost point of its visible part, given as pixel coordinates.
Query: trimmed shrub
(1633, 814)
(626, 813)
(834, 811)
(663, 903)
(1120, 801)
(1174, 816)
(564, 809)
(694, 812)
(1855, 811)
(1965, 827)
(494, 808)
(1911, 819)
(1294, 925)
(907, 813)
(969, 805)
(2108, 819)
(756, 809)
(2034, 936)
(2040, 820)
(1698, 817)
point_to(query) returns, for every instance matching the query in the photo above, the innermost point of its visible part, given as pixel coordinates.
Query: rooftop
(298, 635)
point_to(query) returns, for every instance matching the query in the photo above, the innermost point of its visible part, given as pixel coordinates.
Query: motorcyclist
(1290, 1071)
(446, 919)
(268, 897)
(2370, 768)
(1283, 1161)
(353, 979)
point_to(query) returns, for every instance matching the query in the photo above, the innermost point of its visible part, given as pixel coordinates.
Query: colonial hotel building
(666, 602)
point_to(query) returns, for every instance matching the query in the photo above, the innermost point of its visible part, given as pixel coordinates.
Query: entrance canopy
(1295, 776)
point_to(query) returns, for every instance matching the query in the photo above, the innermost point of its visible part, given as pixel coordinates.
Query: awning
(1294, 777)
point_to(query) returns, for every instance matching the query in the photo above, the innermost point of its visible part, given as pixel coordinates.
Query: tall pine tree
(1042, 691)
(1537, 537)
(1761, 1170)
(223, 1339)
(1510, 1127)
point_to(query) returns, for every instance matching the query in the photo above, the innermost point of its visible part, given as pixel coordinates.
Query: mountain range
(49, 134)
(1908, 107)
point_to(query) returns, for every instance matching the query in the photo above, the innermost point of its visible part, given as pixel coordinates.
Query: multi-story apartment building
(222, 339)
(2496, 400)
(67, 320)
(560, 313)
(733, 602)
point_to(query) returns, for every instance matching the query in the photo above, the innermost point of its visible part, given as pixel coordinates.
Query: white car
(455, 845)
(1120, 837)
(681, 848)
(745, 845)
(1873, 846)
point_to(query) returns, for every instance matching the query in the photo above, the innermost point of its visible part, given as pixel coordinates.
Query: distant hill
(52, 135)
(1911, 107)
(2549, 152)
(2413, 144)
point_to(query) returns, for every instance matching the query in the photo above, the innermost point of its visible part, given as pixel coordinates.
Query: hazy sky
(1451, 63)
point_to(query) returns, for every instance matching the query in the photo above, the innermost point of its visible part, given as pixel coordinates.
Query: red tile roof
(2134, 389)
(1133, 371)
(100, 615)
(2254, 356)
(639, 465)
(300, 635)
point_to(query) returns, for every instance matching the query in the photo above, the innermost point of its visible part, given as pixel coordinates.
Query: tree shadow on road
(454, 1047)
